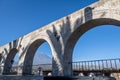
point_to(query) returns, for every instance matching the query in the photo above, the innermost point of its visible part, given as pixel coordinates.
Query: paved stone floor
(11, 77)
(21, 77)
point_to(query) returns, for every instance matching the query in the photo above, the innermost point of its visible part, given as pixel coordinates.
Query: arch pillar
(57, 65)
(21, 65)
(68, 60)
(1, 64)
(7, 65)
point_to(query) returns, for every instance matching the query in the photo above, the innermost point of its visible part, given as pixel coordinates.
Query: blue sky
(19, 17)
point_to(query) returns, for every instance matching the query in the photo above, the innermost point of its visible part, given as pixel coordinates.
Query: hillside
(42, 59)
(39, 59)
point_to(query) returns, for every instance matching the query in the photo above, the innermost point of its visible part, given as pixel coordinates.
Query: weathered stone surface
(21, 78)
(62, 36)
(53, 78)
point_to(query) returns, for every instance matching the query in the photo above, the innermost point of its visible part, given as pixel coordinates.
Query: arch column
(21, 60)
(57, 60)
(7, 65)
(57, 65)
(1, 64)
(7, 68)
(68, 61)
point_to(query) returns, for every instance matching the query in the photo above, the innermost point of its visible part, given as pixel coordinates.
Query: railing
(36, 69)
(44, 67)
(107, 67)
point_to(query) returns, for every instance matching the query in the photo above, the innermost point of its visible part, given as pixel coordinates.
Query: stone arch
(32, 48)
(77, 33)
(30, 55)
(9, 61)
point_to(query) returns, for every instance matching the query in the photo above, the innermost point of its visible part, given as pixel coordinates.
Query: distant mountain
(42, 59)
(39, 59)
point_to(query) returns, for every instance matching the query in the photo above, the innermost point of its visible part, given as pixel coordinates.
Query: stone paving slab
(21, 78)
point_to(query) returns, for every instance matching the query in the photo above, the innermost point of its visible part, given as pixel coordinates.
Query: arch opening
(98, 41)
(96, 50)
(76, 35)
(38, 58)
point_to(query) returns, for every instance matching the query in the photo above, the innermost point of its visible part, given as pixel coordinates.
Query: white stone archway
(100, 13)
(27, 59)
(63, 34)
